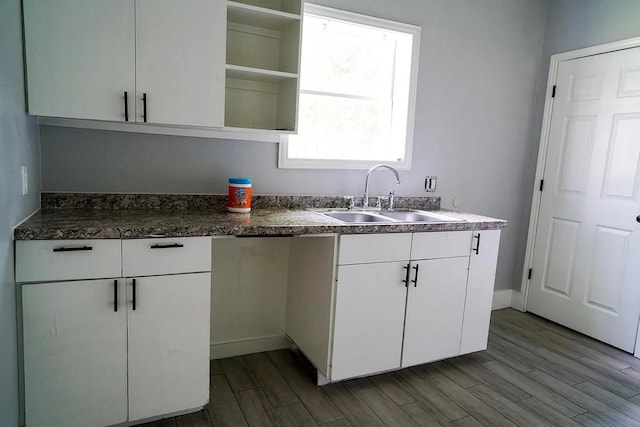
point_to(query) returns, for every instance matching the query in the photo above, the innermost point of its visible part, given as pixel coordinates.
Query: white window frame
(285, 162)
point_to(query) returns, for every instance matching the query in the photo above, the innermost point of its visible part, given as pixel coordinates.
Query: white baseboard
(501, 299)
(517, 300)
(248, 346)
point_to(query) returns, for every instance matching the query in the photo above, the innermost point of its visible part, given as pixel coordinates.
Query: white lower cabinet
(399, 300)
(435, 310)
(75, 353)
(369, 319)
(482, 276)
(168, 352)
(107, 351)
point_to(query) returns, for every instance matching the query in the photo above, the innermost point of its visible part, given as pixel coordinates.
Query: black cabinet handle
(134, 293)
(406, 277)
(126, 106)
(144, 107)
(477, 248)
(115, 296)
(415, 280)
(73, 249)
(171, 245)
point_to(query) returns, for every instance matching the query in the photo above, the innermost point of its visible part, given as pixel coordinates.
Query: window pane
(340, 57)
(344, 129)
(357, 92)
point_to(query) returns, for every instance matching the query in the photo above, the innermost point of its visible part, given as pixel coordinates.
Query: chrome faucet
(365, 202)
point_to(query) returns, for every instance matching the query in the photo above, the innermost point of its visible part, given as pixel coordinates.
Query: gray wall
(479, 61)
(19, 146)
(571, 25)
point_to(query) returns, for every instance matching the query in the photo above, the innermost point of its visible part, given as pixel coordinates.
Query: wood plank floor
(534, 373)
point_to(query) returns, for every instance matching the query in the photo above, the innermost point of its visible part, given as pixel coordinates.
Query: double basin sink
(407, 216)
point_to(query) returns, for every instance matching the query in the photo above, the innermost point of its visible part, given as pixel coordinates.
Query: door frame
(520, 301)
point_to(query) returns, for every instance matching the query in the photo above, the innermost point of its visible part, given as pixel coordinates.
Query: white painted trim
(636, 352)
(501, 299)
(288, 163)
(517, 301)
(544, 143)
(189, 131)
(248, 346)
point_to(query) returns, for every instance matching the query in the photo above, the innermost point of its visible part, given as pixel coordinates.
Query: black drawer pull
(126, 106)
(415, 281)
(406, 277)
(115, 296)
(144, 107)
(477, 248)
(172, 245)
(133, 286)
(73, 249)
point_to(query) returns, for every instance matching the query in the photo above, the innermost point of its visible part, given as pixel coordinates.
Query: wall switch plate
(430, 183)
(25, 180)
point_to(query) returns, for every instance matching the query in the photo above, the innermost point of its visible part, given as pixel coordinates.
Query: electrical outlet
(25, 180)
(430, 183)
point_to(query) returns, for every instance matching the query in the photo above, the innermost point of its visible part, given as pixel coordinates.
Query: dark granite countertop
(286, 219)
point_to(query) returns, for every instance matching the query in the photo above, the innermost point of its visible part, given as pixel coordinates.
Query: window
(357, 92)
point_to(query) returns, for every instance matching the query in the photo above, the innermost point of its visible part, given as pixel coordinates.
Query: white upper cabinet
(80, 57)
(155, 61)
(180, 51)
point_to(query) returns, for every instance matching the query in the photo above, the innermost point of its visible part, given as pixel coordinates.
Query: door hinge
(530, 273)
(541, 184)
(553, 92)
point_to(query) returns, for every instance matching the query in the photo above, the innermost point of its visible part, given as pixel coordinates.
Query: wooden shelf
(258, 74)
(258, 16)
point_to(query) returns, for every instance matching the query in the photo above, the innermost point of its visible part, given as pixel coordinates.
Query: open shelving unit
(263, 64)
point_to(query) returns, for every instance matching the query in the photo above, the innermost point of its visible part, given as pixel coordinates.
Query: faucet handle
(351, 201)
(392, 199)
(379, 200)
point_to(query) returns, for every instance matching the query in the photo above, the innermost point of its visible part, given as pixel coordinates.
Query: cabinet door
(369, 317)
(80, 57)
(168, 343)
(435, 305)
(75, 353)
(180, 61)
(482, 275)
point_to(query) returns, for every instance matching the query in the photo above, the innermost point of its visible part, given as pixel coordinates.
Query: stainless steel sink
(415, 216)
(364, 216)
(357, 217)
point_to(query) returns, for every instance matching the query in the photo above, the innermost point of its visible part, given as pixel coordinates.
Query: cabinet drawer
(441, 244)
(150, 257)
(366, 248)
(48, 260)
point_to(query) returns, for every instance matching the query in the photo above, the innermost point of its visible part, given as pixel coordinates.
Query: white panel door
(75, 353)
(168, 343)
(80, 58)
(180, 61)
(585, 263)
(369, 317)
(435, 307)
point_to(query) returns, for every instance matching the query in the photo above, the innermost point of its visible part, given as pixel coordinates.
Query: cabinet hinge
(541, 184)
(553, 92)
(530, 273)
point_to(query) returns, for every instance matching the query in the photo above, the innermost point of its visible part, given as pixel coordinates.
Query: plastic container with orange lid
(239, 195)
